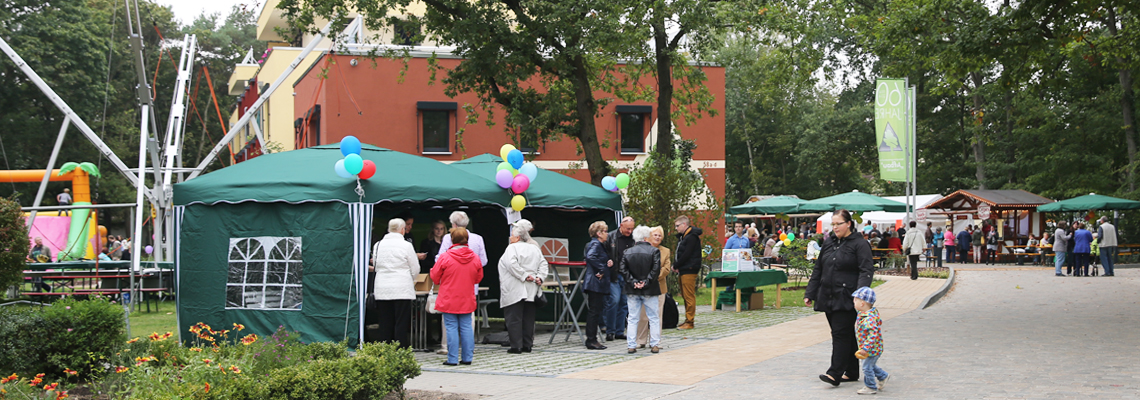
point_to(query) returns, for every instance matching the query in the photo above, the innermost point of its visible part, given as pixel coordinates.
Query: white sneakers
(867, 390)
(883, 382)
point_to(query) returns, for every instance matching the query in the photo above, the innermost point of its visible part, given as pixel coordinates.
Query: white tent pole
(260, 100)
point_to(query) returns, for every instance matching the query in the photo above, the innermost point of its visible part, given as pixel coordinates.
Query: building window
(528, 145)
(632, 126)
(264, 273)
(307, 129)
(435, 123)
(406, 33)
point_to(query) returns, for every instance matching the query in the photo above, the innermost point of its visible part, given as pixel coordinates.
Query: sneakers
(867, 390)
(883, 382)
(442, 352)
(687, 325)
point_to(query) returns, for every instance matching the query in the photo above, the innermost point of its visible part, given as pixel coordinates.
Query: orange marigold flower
(207, 387)
(238, 327)
(166, 335)
(235, 369)
(61, 395)
(9, 379)
(249, 339)
(153, 336)
(223, 369)
(132, 340)
(207, 360)
(70, 371)
(195, 329)
(51, 386)
(35, 382)
(40, 375)
(121, 369)
(196, 349)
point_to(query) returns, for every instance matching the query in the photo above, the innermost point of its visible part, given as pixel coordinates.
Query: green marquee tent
(772, 205)
(1091, 201)
(853, 201)
(281, 240)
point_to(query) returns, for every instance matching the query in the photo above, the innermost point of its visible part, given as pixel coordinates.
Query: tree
(13, 243)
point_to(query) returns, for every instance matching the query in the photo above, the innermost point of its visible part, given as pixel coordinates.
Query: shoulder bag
(430, 306)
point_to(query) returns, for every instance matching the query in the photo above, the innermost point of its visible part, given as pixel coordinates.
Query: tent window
(264, 273)
(436, 128)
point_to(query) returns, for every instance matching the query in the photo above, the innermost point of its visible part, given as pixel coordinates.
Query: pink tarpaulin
(53, 230)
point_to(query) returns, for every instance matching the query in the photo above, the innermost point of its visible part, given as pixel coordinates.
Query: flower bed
(221, 364)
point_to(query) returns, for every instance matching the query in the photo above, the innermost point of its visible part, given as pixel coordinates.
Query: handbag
(369, 302)
(430, 306)
(540, 299)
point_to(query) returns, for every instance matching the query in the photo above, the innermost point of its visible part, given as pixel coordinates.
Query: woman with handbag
(521, 269)
(457, 272)
(395, 264)
(596, 283)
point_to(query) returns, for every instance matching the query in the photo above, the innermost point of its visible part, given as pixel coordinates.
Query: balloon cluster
(615, 183)
(352, 165)
(515, 174)
(787, 238)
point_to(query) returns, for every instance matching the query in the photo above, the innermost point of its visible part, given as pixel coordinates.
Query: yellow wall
(278, 122)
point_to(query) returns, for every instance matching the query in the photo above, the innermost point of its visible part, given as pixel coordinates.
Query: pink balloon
(521, 184)
(504, 178)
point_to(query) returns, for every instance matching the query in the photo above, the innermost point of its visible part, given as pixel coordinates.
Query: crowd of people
(624, 282)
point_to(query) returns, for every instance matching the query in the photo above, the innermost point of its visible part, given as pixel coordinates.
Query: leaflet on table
(737, 260)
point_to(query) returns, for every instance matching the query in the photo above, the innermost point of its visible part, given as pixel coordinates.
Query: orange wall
(385, 114)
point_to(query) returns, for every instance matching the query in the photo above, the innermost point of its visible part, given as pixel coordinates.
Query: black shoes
(449, 364)
(619, 336)
(465, 362)
(514, 351)
(829, 380)
(594, 346)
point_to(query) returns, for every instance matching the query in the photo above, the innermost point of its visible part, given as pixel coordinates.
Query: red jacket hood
(462, 253)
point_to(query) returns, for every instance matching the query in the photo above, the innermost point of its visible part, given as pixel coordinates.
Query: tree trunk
(665, 89)
(978, 143)
(1127, 105)
(587, 132)
(1010, 143)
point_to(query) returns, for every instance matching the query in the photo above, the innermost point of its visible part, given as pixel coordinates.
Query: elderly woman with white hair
(641, 267)
(521, 269)
(396, 267)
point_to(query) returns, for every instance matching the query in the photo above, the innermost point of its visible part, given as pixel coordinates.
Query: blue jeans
(616, 308)
(635, 303)
(460, 333)
(1108, 259)
(1058, 261)
(872, 373)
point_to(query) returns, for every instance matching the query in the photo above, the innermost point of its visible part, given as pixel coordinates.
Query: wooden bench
(148, 294)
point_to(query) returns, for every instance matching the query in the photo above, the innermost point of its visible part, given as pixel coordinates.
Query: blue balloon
(353, 164)
(515, 158)
(349, 145)
(609, 183)
(530, 171)
(340, 171)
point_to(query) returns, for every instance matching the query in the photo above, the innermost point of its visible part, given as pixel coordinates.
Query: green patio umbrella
(1091, 201)
(773, 205)
(853, 201)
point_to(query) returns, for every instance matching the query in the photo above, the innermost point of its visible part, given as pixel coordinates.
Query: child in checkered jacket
(868, 329)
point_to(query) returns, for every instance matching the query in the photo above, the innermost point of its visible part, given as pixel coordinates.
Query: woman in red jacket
(457, 272)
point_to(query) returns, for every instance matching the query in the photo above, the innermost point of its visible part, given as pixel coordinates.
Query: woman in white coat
(914, 244)
(395, 289)
(521, 270)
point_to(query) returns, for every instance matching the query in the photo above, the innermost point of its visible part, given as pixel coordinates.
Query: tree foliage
(14, 244)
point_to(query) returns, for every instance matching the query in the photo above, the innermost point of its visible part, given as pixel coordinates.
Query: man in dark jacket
(616, 307)
(688, 265)
(963, 241)
(640, 266)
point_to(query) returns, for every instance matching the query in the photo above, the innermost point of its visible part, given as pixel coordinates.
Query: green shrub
(69, 334)
(13, 242)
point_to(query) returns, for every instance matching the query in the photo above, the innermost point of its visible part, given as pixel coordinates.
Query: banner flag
(892, 128)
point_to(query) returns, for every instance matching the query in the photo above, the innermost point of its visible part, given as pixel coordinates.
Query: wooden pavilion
(1014, 210)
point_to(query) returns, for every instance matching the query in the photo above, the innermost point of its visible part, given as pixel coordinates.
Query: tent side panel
(329, 308)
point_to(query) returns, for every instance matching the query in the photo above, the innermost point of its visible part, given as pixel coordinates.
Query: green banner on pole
(891, 128)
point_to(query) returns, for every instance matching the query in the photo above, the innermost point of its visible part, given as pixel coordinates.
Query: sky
(186, 10)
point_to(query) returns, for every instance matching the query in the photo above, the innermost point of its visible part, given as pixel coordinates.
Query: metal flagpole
(50, 167)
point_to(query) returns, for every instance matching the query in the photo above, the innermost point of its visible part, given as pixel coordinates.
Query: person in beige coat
(656, 235)
(521, 269)
(913, 246)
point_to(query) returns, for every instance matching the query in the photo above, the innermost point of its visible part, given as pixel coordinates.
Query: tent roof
(549, 189)
(997, 199)
(1091, 201)
(853, 201)
(770, 205)
(307, 175)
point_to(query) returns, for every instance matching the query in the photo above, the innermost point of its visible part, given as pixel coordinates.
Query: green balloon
(622, 180)
(504, 165)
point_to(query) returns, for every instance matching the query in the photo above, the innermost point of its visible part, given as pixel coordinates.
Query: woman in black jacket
(596, 282)
(844, 264)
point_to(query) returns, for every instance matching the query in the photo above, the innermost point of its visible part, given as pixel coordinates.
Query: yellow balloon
(514, 172)
(787, 242)
(503, 151)
(518, 202)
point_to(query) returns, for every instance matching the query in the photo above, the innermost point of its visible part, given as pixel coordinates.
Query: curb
(934, 297)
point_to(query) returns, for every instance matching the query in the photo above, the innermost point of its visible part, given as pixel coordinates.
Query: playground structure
(83, 225)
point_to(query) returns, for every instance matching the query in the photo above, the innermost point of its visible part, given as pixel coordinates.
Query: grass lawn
(789, 298)
(144, 323)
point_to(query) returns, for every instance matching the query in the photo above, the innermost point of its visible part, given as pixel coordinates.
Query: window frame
(646, 113)
(422, 108)
(263, 255)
